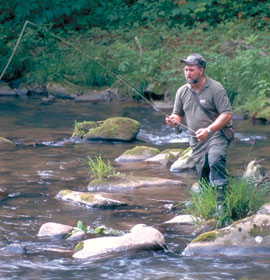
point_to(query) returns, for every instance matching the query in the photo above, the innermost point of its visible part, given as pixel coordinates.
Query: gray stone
(54, 230)
(6, 90)
(116, 183)
(184, 163)
(96, 200)
(138, 153)
(141, 237)
(244, 237)
(166, 157)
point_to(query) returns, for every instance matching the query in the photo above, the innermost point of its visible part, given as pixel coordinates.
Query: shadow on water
(46, 160)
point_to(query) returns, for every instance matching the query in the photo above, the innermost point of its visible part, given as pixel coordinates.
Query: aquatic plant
(99, 169)
(241, 198)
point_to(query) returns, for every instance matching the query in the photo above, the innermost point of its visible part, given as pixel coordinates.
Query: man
(208, 143)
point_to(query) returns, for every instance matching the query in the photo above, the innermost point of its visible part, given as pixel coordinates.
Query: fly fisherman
(209, 144)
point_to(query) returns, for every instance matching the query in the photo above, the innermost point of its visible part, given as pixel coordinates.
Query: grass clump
(241, 199)
(100, 169)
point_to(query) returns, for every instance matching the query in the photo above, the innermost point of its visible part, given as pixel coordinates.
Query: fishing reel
(178, 129)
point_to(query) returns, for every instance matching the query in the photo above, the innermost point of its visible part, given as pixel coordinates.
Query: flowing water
(46, 160)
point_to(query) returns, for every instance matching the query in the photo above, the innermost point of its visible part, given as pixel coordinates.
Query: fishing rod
(98, 63)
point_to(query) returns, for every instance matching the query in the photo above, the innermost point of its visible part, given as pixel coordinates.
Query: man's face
(192, 73)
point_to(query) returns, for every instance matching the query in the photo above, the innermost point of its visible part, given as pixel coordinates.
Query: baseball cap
(195, 59)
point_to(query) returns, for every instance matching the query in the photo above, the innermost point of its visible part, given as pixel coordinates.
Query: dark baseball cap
(195, 59)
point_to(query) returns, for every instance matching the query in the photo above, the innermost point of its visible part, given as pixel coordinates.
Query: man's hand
(202, 134)
(173, 120)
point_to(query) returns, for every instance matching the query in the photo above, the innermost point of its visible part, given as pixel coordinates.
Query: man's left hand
(202, 134)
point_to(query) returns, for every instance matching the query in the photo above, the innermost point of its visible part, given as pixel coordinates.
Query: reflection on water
(46, 160)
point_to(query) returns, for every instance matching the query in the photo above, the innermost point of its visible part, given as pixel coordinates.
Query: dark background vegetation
(142, 42)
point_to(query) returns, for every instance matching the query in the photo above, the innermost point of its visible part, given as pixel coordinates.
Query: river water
(46, 160)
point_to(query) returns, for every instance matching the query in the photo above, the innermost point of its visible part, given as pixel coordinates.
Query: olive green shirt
(213, 97)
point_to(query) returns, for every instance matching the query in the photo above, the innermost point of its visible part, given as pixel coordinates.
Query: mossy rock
(119, 129)
(138, 153)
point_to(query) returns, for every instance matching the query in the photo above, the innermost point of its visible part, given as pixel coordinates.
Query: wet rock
(54, 230)
(6, 90)
(141, 237)
(112, 129)
(247, 237)
(97, 200)
(182, 219)
(166, 157)
(138, 153)
(116, 183)
(3, 194)
(77, 236)
(184, 163)
(204, 227)
(254, 170)
(13, 249)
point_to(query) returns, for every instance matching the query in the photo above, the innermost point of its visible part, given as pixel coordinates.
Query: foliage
(242, 198)
(100, 169)
(101, 230)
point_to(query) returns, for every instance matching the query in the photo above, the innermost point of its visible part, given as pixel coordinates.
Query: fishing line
(95, 61)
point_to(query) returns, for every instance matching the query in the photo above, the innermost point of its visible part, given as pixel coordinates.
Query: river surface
(46, 160)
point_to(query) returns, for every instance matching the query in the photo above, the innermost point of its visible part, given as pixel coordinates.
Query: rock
(13, 249)
(54, 230)
(116, 183)
(185, 162)
(3, 194)
(112, 129)
(5, 89)
(195, 188)
(265, 209)
(97, 200)
(244, 237)
(77, 236)
(138, 153)
(182, 219)
(166, 157)
(141, 237)
(254, 170)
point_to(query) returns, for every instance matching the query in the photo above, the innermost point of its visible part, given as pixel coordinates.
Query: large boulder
(138, 153)
(244, 237)
(116, 183)
(112, 129)
(166, 157)
(141, 237)
(96, 200)
(184, 162)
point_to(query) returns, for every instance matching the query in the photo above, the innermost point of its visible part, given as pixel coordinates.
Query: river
(46, 160)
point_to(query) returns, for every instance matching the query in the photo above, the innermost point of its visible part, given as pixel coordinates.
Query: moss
(206, 237)
(184, 153)
(79, 246)
(65, 192)
(82, 128)
(261, 230)
(172, 151)
(87, 197)
(138, 150)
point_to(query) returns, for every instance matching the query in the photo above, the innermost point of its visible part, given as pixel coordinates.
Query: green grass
(100, 169)
(241, 198)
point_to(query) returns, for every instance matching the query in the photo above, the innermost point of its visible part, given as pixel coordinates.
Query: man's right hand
(173, 120)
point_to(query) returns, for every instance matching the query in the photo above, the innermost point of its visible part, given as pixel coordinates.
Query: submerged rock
(138, 153)
(54, 230)
(112, 129)
(115, 183)
(141, 237)
(244, 237)
(13, 249)
(97, 200)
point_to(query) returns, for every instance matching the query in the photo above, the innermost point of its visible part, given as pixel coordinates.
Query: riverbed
(46, 159)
